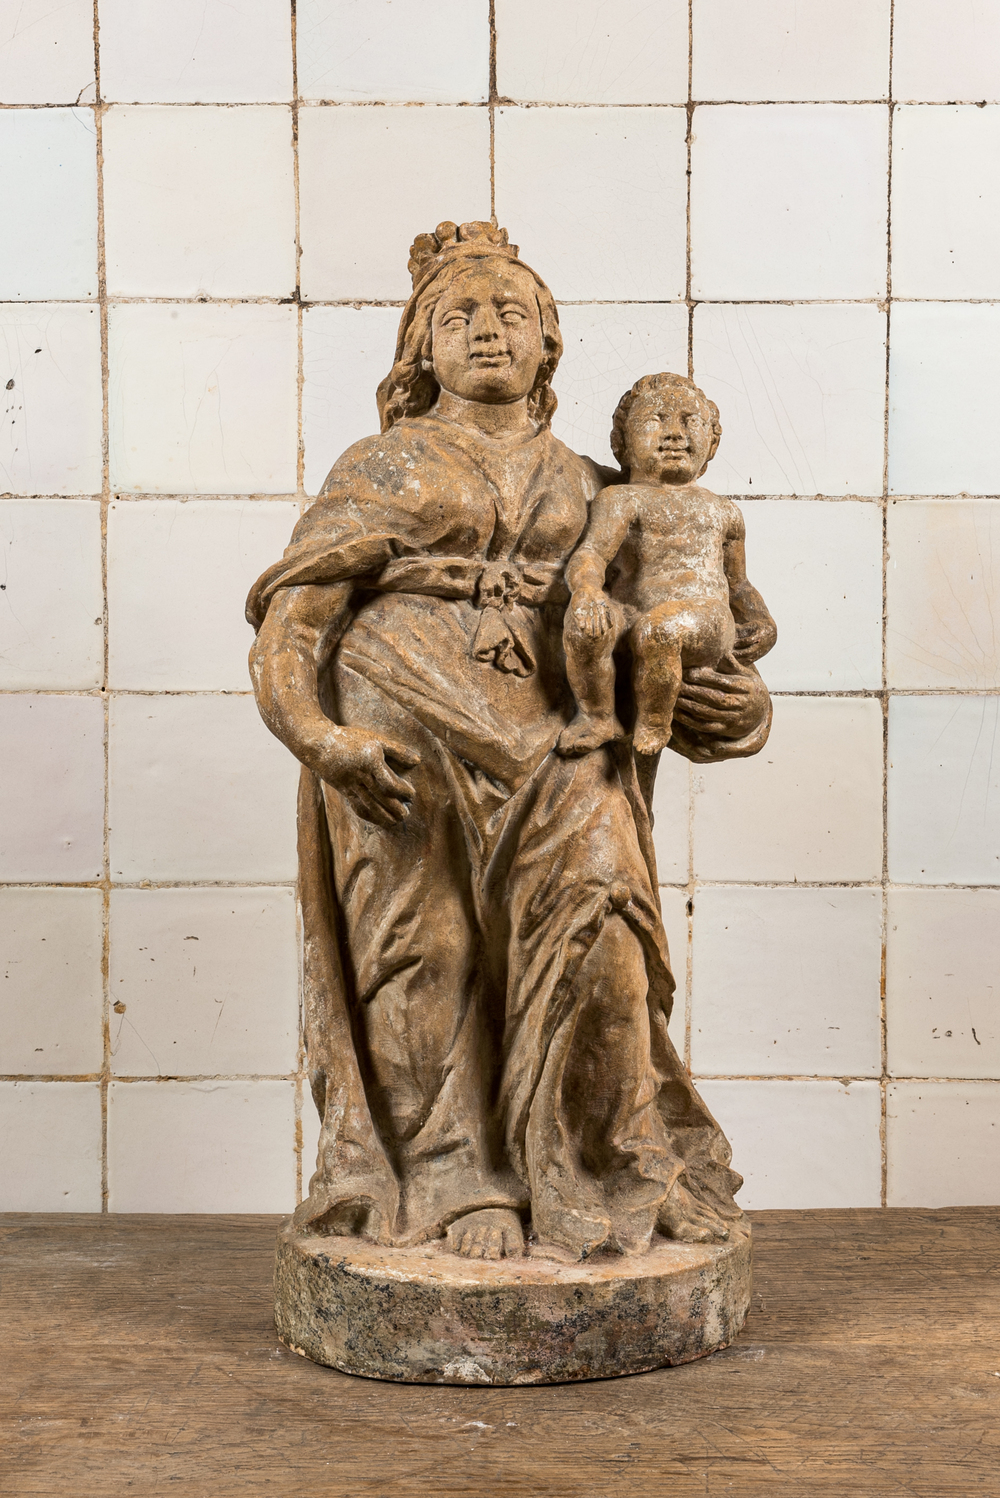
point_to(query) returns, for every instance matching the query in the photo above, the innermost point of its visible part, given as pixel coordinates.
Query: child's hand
(591, 613)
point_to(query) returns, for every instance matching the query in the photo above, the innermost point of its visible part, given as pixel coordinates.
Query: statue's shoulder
(591, 475)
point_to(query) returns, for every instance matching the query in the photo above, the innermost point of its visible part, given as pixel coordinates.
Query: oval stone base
(424, 1315)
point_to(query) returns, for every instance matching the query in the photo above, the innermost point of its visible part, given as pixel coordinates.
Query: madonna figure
(487, 977)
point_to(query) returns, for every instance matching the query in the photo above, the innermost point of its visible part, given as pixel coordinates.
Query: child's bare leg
(591, 670)
(656, 678)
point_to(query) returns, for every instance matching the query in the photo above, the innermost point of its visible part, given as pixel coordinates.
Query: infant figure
(673, 556)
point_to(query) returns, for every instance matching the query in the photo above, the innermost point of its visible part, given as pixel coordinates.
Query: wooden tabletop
(137, 1355)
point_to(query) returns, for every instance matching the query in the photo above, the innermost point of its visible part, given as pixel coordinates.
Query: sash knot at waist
(499, 589)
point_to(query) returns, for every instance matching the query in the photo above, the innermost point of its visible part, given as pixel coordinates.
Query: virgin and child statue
(487, 981)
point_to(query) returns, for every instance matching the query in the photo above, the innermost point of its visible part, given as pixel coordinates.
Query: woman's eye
(455, 320)
(512, 315)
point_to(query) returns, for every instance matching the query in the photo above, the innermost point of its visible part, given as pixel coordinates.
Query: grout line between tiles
(493, 96)
(883, 1013)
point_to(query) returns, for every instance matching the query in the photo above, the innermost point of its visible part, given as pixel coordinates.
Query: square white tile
(789, 201)
(51, 990)
(942, 584)
(358, 51)
(808, 807)
(802, 1145)
(52, 603)
(671, 814)
(196, 51)
(603, 168)
(47, 52)
(787, 981)
(51, 1133)
(673, 903)
(201, 1146)
(944, 790)
(948, 157)
(946, 52)
(52, 788)
(801, 392)
(819, 569)
(50, 399)
(205, 552)
(346, 352)
(606, 349)
(199, 202)
(772, 49)
(942, 959)
(586, 52)
(203, 398)
(402, 171)
(204, 982)
(944, 376)
(943, 1144)
(48, 183)
(199, 790)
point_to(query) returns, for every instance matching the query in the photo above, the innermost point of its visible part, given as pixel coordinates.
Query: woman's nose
(485, 323)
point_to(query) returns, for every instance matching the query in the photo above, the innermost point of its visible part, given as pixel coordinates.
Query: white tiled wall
(202, 255)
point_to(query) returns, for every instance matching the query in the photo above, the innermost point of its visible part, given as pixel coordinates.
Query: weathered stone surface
(424, 1315)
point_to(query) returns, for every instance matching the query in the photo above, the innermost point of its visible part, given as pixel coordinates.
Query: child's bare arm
(607, 527)
(756, 631)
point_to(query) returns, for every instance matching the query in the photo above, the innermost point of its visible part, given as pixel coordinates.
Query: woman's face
(487, 335)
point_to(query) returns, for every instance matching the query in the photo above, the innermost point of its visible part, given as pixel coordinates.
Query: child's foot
(650, 737)
(586, 733)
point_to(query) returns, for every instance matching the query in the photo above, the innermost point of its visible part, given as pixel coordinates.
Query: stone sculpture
(517, 1181)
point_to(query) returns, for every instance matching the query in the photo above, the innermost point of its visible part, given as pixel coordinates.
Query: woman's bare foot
(689, 1221)
(493, 1233)
(586, 733)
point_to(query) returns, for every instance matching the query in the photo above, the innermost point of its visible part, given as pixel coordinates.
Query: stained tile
(204, 982)
(770, 49)
(603, 168)
(943, 1144)
(806, 808)
(366, 157)
(801, 1145)
(50, 389)
(51, 991)
(393, 50)
(606, 348)
(586, 52)
(346, 352)
(201, 1146)
(947, 157)
(941, 55)
(207, 552)
(788, 201)
(198, 790)
(47, 52)
(944, 376)
(48, 185)
(199, 202)
(944, 790)
(52, 1146)
(52, 603)
(787, 981)
(942, 957)
(819, 569)
(196, 51)
(203, 398)
(942, 584)
(52, 788)
(801, 391)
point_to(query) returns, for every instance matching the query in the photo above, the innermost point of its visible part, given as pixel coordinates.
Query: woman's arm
(299, 632)
(721, 714)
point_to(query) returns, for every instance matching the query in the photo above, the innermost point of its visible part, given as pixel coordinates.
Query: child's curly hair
(648, 385)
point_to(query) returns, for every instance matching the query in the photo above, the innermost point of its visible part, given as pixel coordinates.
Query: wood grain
(139, 1356)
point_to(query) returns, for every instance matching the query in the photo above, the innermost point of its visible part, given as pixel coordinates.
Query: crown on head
(429, 251)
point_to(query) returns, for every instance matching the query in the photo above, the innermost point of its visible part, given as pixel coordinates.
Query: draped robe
(446, 958)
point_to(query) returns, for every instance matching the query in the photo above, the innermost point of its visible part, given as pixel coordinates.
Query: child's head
(665, 430)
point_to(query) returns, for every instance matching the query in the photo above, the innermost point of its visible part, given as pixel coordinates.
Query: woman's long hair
(410, 388)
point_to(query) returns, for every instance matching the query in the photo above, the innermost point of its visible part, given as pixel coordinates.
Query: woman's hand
(356, 762)
(725, 704)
